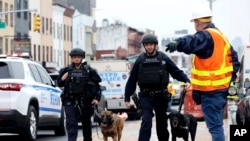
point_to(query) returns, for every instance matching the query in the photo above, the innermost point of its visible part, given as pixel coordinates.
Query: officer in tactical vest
(151, 72)
(77, 98)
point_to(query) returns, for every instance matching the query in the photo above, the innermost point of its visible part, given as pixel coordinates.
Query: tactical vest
(77, 81)
(152, 72)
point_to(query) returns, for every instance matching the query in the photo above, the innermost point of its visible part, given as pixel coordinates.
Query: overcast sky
(166, 16)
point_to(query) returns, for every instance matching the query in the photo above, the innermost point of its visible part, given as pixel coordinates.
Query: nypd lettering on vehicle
(49, 99)
(114, 83)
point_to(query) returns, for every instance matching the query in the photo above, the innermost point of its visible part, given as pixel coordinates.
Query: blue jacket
(202, 45)
(171, 67)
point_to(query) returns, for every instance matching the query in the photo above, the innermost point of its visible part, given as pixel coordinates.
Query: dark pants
(72, 120)
(158, 104)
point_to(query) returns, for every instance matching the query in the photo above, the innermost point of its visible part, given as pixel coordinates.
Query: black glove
(172, 46)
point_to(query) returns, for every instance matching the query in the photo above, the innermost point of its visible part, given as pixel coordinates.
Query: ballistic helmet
(77, 52)
(149, 38)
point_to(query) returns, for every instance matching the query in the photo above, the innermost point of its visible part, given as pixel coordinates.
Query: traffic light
(36, 23)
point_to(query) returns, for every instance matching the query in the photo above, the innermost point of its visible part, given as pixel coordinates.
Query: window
(47, 25)
(68, 33)
(39, 54)
(43, 52)
(64, 29)
(47, 53)
(1, 45)
(11, 70)
(51, 54)
(43, 29)
(34, 53)
(71, 33)
(4, 70)
(11, 16)
(6, 15)
(18, 8)
(25, 3)
(50, 24)
(35, 74)
(11, 45)
(18, 70)
(44, 75)
(6, 45)
(29, 20)
(54, 29)
(1, 5)
(58, 31)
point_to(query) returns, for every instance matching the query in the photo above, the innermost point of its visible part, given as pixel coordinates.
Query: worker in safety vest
(215, 64)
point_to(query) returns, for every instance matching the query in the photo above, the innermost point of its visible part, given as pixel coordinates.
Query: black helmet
(149, 38)
(77, 52)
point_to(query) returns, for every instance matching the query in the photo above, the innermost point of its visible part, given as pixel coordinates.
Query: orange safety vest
(214, 72)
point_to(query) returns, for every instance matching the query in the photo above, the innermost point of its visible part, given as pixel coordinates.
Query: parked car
(243, 111)
(29, 99)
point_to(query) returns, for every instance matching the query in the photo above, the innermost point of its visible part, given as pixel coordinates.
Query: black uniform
(77, 97)
(152, 75)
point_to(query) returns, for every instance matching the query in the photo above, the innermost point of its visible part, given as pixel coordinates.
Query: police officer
(151, 72)
(76, 98)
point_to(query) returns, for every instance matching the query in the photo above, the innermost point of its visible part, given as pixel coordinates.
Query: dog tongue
(104, 124)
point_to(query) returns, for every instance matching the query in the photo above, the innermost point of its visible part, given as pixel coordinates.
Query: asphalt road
(130, 133)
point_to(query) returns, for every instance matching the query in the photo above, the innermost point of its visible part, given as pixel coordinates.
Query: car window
(35, 74)
(4, 70)
(17, 69)
(11, 70)
(44, 75)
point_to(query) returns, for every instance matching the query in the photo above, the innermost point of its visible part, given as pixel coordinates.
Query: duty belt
(152, 93)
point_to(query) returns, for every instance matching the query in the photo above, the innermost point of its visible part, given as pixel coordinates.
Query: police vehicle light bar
(21, 54)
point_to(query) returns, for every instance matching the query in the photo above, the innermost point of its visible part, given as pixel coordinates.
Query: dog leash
(96, 114)
(183, 93)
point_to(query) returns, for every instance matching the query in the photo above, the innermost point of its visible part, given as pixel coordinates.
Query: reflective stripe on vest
(214, 72)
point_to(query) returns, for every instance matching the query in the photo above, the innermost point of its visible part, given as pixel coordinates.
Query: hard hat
(77, 52)
(202, 12)
(149, 38)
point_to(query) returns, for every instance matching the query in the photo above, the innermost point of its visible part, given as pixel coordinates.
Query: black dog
(181, 125)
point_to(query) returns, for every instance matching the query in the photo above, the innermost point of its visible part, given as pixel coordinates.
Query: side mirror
(247, 84)
(103, 88)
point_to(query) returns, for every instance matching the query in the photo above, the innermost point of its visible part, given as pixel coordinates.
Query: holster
(136, 100)
(79, 108)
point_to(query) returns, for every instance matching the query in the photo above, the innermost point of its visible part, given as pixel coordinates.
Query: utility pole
(211, 3)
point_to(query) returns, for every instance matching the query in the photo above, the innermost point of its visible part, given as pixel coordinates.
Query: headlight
(232, 90)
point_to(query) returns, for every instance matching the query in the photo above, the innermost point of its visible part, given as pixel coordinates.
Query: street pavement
(131, 131)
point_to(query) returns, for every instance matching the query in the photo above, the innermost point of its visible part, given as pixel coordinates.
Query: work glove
(171, 46)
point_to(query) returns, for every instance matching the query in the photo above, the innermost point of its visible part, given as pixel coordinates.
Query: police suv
(29, 99)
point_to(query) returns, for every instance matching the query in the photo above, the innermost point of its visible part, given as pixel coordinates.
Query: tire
(238, 118)
(29, 132)
(60, 130)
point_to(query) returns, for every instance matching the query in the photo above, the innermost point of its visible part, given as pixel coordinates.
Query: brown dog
(112, 125)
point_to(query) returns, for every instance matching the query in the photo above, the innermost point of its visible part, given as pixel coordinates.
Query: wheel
(238, 118)
(60, 129)
(29, 132)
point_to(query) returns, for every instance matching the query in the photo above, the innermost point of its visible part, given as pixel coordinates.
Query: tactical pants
(72, 121)
(159, 105)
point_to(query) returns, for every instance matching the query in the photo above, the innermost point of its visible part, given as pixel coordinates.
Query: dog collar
(184, 127)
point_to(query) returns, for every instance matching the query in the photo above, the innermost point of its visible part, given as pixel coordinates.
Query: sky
(167, 16)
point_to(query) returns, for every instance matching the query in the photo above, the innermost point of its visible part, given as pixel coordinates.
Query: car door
(40, 89)
(52, 93)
